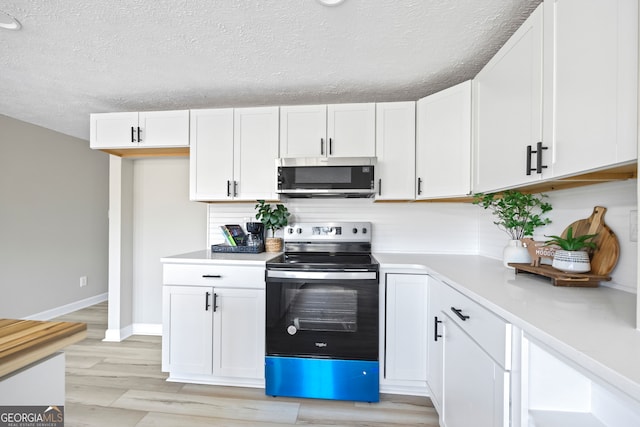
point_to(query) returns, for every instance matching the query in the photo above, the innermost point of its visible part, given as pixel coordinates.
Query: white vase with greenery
(517, 214)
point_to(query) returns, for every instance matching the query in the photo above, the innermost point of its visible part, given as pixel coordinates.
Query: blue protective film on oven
(357, 380)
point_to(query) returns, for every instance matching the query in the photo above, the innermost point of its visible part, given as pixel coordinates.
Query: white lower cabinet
(405, 327)
(555, 392)
(476, 388)
(214, 334)
(469, 360)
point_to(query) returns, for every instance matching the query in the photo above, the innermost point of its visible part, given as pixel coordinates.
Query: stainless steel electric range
(322, 334)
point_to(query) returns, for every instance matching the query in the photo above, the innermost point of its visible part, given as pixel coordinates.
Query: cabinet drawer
(491, 332)
(213, 275)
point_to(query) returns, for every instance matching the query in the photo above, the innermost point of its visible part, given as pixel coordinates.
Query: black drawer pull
(436, 335)
(211, 276)
(322, 146)
(206, 301)
(458, 313)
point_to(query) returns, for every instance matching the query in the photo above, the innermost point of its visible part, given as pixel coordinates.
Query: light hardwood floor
(120, 385)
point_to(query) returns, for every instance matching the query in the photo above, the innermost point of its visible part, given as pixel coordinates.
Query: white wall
(397, 227)
(165, 223)
(620, 198)
(53, 219)
(459, 227)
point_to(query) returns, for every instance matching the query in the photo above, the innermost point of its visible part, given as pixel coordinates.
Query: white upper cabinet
(395, 149)
(255, 142)
(233, 154)
(443, 144)
(592, 49)
(351, 129)
(150, 129)
(303, 131)
(211, 157)
(340, 130)
(508, 112)
(560, 98)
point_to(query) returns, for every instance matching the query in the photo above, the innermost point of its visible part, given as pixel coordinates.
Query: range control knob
(290, 230)
(355, 231)
(299, 230)
(364, 231)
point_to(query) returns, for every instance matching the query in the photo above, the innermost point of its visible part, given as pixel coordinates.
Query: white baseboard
(147, 329)
(117, 335)
(69, 308)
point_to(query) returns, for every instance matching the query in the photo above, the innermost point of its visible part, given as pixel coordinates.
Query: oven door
(322, 314)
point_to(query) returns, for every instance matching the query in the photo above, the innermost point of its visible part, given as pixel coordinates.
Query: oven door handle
(323, 275)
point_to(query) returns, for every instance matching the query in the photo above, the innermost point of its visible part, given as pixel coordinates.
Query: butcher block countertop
(23, 342)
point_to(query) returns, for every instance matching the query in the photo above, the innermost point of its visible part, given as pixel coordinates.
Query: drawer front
(491, 332)
(214, 275)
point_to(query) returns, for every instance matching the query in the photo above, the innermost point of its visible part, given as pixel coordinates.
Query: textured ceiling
(76, 57)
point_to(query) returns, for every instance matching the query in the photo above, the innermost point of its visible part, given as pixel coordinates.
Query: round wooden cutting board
(605, 257)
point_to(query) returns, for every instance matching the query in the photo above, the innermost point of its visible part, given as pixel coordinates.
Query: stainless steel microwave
(326, 177)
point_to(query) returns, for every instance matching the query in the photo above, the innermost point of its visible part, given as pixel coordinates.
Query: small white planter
(571, 261)
(515, 252)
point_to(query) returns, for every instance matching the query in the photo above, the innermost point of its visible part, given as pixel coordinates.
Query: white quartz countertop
(593, 327)
(207, 257)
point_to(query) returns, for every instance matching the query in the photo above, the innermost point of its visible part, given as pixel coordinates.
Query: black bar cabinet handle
(139, 139)
(539, 165)
(458, 313)
(211, 276)
(379, 186)
(419, 186)
(133, 138)
(322, 146)
(215, 302)
(529, 152)
(228, 188)
(330, 146)
(235, 188)
(206, 301)
(436, 335)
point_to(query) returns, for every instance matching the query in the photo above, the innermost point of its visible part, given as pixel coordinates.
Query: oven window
(325, 308)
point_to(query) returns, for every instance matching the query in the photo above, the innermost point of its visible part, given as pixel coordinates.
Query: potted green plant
(517, 214)
(274, 218)
(572, 257)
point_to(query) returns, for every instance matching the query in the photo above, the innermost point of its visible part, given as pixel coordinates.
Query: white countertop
(593, 327)
(207, 257)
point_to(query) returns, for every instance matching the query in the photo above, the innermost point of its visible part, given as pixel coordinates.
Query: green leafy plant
(273, 217)
(571, 242)
(517, 214)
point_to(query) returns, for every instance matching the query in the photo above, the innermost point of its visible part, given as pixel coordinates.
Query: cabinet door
(593, 47)
(239, 333)
(303, 131)
(395, 150)
(188, 329)
(443, 145)
(164, 128)
(476, 389)
(113, 130)
(351, 129)
(406, 327)
(255, 151)
(508, 110)
(211, 157)
(435, 343)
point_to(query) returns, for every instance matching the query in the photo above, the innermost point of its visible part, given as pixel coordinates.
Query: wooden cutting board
(605, 257)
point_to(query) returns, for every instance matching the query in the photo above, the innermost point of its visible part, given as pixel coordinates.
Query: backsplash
(456, 227)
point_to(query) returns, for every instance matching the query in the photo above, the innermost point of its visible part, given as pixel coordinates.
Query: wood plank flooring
(121, 385)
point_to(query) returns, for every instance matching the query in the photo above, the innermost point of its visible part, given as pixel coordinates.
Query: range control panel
(333, 231)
